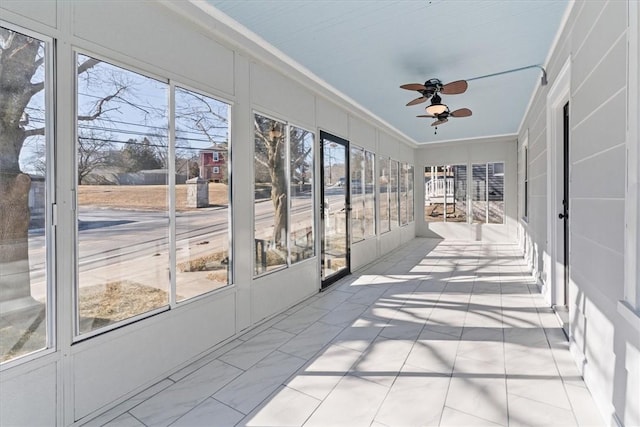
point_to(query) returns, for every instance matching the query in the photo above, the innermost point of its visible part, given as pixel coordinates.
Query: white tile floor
(434, 334)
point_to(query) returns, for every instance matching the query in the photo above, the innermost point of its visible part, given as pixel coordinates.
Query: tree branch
(35, 88)
(262, 162)
(87, 65)
(33, 132)
(100, 105)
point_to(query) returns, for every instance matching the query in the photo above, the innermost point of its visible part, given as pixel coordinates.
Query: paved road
(106, 233)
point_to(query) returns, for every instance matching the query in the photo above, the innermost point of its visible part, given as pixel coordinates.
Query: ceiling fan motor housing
(433, 86)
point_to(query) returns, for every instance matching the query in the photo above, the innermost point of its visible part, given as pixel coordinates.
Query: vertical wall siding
(594, 39)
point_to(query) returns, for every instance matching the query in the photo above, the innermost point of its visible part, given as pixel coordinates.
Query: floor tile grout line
(453, 367)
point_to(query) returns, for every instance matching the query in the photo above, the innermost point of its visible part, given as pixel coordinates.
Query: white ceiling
(367, 48)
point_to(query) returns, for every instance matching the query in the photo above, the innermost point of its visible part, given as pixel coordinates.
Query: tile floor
(434, 334)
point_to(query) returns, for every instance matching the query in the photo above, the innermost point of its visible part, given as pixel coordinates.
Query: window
(26, 190)
(385, 191)
(394, 199)
(458, 173)
(488, 193)
(356, 167)
(201, 205)
(216, 156)
(526, 181)
(445, 193)
(410, 200)
(142, 191)
(403, 184)
(363, 200)
(122, 152)
(495, 193)
(301, 194)
(479, 193)
(283, 194)
(369, 190)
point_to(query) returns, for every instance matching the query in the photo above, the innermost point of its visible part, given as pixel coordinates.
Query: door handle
(563, 216)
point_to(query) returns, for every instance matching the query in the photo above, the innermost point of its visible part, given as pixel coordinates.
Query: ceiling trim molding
(511, 137)
(246, 41)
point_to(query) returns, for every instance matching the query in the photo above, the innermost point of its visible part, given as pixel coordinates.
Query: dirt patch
(151, 197)
(101, 305)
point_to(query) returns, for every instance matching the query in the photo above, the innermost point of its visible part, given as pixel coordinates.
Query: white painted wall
(604, 338)
(499, 149)
(177, 41)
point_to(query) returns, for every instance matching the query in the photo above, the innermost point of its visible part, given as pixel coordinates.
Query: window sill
(629, 314)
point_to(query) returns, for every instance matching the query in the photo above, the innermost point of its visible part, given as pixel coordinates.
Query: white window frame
(172, 303)
(287, 130)
(215, 169)
(173, 85)
(52, 300)
(629, 308)
(526, 188)
(216, 157)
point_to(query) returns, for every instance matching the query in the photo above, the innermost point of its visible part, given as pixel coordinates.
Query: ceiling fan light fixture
(436, 108)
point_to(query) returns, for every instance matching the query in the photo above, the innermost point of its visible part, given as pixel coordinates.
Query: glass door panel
(335, 208)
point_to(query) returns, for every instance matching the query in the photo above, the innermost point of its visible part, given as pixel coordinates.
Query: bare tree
(270, 153)
(22, 60)
(93, 152)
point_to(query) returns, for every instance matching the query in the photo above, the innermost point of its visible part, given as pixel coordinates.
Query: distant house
(213, 163)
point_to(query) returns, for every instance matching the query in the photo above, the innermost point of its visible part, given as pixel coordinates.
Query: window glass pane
(435, 191)
(122, 248)
(479, 193)
(410, 207)
(457, 177)
(385, 189)
(403, 193)
(24, 237)
(393, 195)
(495, 182)
(301, 194)
(270, 192)
(356, 167)
(369, 195)
(526, 181)
(201, 194)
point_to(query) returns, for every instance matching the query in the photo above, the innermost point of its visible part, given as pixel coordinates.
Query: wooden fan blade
(427, 115)
(439, 122)
(461, 112)
(417, 101)
(413, 86)
(454, 88)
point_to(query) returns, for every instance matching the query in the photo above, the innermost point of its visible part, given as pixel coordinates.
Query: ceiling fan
(432, 87)
(443, 117)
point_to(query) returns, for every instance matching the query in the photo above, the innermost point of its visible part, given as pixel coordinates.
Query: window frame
(629, 307)
(363, 191)
(51, 208)
(177, 84)
(78, 336)
(288, 127)
(172, 304)
(287, 161)
(525, 179)
(394, 224)
(387, 195)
